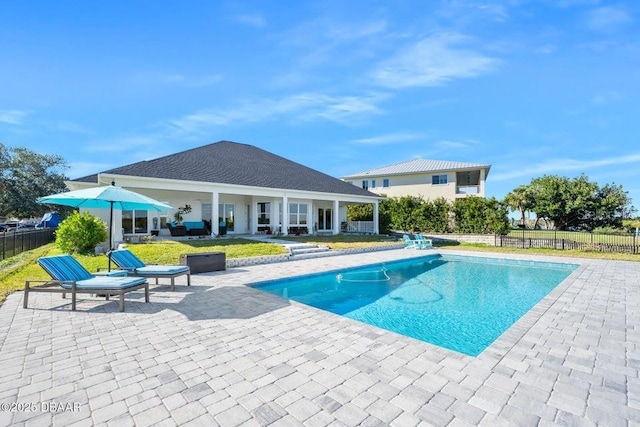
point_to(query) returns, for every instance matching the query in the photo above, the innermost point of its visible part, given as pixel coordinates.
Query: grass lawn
(16, 270)
(576, 236)
(619, 256)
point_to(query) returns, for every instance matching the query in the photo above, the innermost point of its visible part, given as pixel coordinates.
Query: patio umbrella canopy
(106, 197)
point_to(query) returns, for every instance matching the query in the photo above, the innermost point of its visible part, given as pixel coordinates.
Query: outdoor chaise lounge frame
(126, 260)
(69, 276)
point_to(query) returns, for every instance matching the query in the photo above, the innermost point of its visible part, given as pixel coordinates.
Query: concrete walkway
(221, 353)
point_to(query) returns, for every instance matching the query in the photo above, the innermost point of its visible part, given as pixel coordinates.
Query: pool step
(306, 249)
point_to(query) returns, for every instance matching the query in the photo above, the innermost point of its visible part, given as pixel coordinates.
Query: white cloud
(176, 79)
(13, 117)
(391, 138)
(607, 98)
(71, 127)
(314, 45)
(118, 144)
(304, 106)
(454, 145)
(252, 20)
(497, 11)
(607, 18)
(433, 61)
(561, 165)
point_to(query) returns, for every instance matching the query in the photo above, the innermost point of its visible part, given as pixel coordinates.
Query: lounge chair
(423, 243)
(126, 260)
(410, 244)
(70, 276)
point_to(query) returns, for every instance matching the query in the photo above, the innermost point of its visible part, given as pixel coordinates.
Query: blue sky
(531, 87)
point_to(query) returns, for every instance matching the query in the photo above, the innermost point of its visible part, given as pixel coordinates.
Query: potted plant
(178, 216)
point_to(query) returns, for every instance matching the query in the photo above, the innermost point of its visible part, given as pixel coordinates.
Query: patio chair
(424, 243)
(126, 260)
(410, 244)
(70, 276)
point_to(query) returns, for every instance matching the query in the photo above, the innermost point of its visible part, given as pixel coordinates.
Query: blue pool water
(460, 303)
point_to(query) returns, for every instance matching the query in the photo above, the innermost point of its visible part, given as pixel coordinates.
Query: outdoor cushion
(126, 260)
(162, 269)
(106, 283)
(64, 268)
(190, 225)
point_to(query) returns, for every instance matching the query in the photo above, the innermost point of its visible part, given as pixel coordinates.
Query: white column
(481, 183)
(254, 217)
(285, 215)
(215, 225)
(376, 221)
(335, 218)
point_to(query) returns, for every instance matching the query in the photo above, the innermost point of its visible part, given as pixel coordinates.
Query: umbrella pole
(110, 236)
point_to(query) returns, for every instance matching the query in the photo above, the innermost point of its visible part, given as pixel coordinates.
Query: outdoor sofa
(188, 228)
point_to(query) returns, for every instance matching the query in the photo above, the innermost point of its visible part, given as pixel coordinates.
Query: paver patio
(221, 353)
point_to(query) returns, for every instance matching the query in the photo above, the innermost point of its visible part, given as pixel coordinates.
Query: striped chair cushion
(125, 259)
(108, 282)
(64, 268)
(161, 270)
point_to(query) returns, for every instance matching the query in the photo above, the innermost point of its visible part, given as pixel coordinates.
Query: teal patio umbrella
(107, 197)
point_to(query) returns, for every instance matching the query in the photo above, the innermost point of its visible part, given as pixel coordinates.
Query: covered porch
(214, 213)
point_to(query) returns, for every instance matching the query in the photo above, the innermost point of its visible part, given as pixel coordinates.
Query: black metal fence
(13, 243)
(570, 240)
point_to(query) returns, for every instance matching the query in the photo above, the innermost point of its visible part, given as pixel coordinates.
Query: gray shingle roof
(418, 166)
(229, 162)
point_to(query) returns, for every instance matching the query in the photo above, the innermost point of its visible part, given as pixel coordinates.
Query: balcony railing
(467, 189)
(362, 227)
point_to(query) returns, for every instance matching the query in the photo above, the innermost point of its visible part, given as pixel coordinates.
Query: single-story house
(251, 190)
(430, 179)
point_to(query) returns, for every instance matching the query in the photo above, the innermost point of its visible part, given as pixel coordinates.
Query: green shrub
(81, 233)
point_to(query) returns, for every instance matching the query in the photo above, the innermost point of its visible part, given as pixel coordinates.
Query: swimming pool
(457, 302)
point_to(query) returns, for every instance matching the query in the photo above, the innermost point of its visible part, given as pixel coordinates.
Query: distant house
(430, 179)
(252, 190)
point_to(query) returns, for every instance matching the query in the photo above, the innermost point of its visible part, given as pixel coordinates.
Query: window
(385, 182)
(225, 211)
(264, 213)
(365, 184)
(373, 183)
(135, 222)
(298, 214)
(438, 179)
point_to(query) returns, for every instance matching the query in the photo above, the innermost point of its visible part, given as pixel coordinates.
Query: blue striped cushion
(125, 259)
(107, 282)
(64, 267)
(162, 270)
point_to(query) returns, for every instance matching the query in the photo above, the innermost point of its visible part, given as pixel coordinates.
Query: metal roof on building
(418, 166)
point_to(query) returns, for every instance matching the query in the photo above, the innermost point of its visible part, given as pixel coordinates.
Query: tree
(519, 199)
(579, 203)
(613, 206)
(479, 215)
(81, 233)
(405, 214)
(26, 175)
(440, 217)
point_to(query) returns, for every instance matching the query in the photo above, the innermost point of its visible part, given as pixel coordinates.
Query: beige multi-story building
(429, 179)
